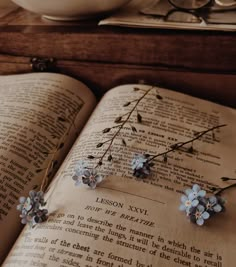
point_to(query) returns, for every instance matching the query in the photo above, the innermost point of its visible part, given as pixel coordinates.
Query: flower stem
(224, 188)
(181, 144)
(120, 127)
(53, 153)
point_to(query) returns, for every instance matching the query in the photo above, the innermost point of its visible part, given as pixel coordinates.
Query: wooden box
(195, 62)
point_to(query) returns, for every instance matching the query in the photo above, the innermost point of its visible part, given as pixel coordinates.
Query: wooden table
(196, 62)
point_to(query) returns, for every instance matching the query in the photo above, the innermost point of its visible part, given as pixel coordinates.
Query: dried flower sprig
(143, 170)
(198, 206)
(89, 176)
(121, 121)
(84, 175)
(31, 207)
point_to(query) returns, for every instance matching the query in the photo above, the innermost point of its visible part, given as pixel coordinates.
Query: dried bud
(106, 130)
(165, 158)
(213, 136)
(126, 104)
(136, 89)
(139, 118)
(159, 97)
(225, 179)
(174, 146)
(61, 119)
(61, 145)
(151, 164)
(133, 129)
(99, 145)
(190, 150)
(54, 163)
(118, 119)
(123, 142)
(100, 163)
(90, 157)
(109, 158)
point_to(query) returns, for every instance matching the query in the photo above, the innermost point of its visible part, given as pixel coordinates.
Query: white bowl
(70, 9)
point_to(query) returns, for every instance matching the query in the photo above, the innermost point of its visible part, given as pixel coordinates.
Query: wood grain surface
(195, 62)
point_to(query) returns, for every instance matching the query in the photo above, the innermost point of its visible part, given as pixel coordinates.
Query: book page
(175, 118)
(172, 119)
(38, 113)
(123, 223)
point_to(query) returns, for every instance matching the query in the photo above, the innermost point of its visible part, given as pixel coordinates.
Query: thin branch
(45, 179)
(181, 144)
(122, 125)
(219, 191)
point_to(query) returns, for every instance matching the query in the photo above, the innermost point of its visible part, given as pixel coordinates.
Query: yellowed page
(173, 119)
(123, 223)
(29, 128)
(167, 121)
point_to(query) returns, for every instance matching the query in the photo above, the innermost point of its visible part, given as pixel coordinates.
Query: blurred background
(4, 3)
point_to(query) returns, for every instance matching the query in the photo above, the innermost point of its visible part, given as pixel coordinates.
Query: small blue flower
(30, 208)
(199, 215)
(212, 205)
(25, 218)
(25, 205)
(141, 166)
(138, 161)
(37, 199)
(187, 204)
(195, 192)
(91, 178)
(80, 167)
(39, 216)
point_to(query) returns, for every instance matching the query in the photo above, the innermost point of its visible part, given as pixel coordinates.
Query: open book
(125, 221)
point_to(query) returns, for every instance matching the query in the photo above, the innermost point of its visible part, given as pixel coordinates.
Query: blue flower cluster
(141, 166)
(31, 208)
(84, 175)
(198, 207)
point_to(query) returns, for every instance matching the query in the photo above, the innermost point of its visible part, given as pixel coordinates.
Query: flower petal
(200, 208)
(85, 180)
(192, 196)
(19, 207)
(217, 208)
(205, 215)
(98, 178)
(86, 173)
(78, 182)
(188, 191)
(200, 221)
(183, 198)
(202, 193)
(32, 194)
(196, 188)
(195, 202)
(75, 177)
(182, 207)
(24, 220)
(22, 200)
(213, 200)
(92, 185)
